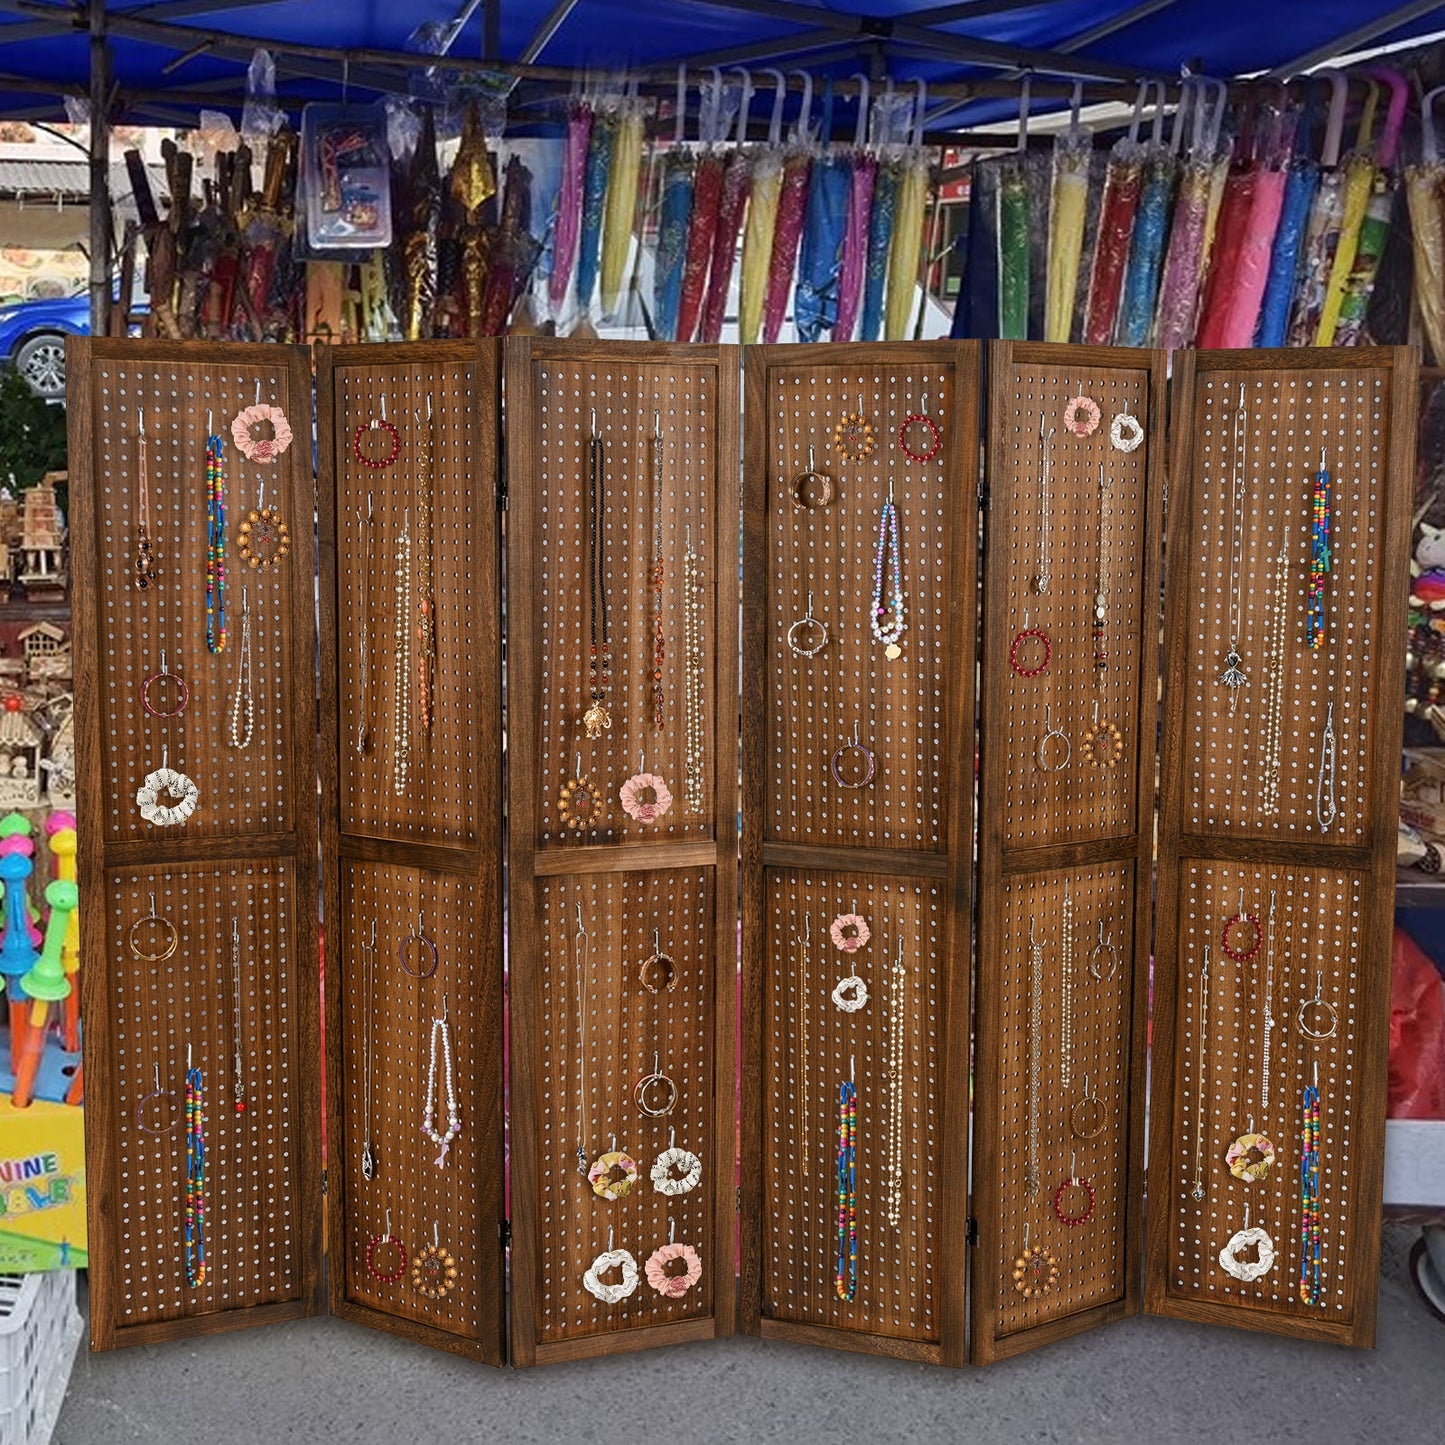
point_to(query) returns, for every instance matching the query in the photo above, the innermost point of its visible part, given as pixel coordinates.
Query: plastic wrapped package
(620, 205)
(674, 215)
(1068, 205)
(1417, 1033)
(1123, 184)
(706, 200)
(345, 177)
(854, 261)
(1424, 184)
(568, 229)
(880, 242)
(594, 205)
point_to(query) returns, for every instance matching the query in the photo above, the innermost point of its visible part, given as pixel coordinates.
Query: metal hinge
(501, 476)
(323, 1181)
(506, 1233)
(738, 1209)
(983, 496)
(972, 1231)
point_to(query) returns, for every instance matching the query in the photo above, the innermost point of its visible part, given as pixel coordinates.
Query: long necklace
(1326, 809)
(146, 570)
(580, 949)
(1066, 989)
(1321, 522)
(245, 699)
(1233, 676)
(805, 1084)
(1251, 1154)
(425, 601)
(1309, 1189)
(1036, 1024)
(1268, 1012)
(368, 1010)
(893, 1185)
(598, 718)
(440, 1029)
(1101, 596)
(238, 1077)
(659, 649)
(846, 1278)
(692, 788)
(363, 661)
(888, 630)
(1197, 1193)
(401, 691)
(195, 1176)
(215, 544)
(1275, 655)
(1041, 576)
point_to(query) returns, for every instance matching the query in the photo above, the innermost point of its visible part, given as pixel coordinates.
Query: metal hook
(140, 418)
(810, 611)
(1317, 1073)
(165, 757)
(609, 1239)
(613, 1138)
(370, 507)
(579, 766)
(1319, 984)
(388, 1224)
(580, 929)
(436, 1235)
(1271, 905)
(1073, 1167)
(446, 1009)
(1241, 902)
(807, 929)
(855, 734)
(1032, 939)
(154, 914)
(851, 1069)
(594, 423)
(210, 428)
(672, 1136)
(235, 931)
(383, 406)
(1026, 1237)
(1096, 712)
(656, 426)
(188, 1058)
(810, 456)
(671, 1229)
(258, 391)
(654, 1061)
(373, 933)
(165, 671)
(158, 1078)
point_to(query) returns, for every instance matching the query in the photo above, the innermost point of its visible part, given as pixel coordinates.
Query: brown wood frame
(482, 1093)
(1000, 861)
(527, 863)
(294, 849)
(1374, 859)
(951, 863)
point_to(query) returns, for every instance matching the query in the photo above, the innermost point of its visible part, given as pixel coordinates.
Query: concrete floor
(1145, 1380)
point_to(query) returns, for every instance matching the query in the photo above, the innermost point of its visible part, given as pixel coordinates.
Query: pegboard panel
(621, 552)
(411, 735)
(237, 994)
(1245, 791)
(1067, 724)
(891, 1049)
(834, 435)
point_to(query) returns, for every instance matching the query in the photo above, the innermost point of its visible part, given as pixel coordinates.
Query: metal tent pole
(100, 221)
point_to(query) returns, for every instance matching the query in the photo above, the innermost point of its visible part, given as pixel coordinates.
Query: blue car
(32, 339)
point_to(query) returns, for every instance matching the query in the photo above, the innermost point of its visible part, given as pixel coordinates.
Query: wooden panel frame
(100, 565)
(537, 869)
(946, 865)
(1082, 832)
(464, 866)
(1195, 851)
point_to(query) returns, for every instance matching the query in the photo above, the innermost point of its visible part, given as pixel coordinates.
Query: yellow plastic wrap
(1068, 206)
(1427, 228)
(1359, 181)
(904, 252)
(758, 245)
(620, 206)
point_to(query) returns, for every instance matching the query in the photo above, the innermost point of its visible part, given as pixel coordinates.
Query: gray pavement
(1144, 1380)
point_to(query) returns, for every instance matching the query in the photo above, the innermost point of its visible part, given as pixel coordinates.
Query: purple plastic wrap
(1179, 286)
(569, 205)
(855, 246)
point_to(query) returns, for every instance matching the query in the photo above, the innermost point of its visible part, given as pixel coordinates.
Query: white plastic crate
(39, 1329)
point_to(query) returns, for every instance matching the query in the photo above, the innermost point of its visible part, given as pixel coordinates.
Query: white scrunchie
(166, 780)
(609, 1294)
(662, 1178)
(1116, 432)
(860, 993)
(1242, 1269)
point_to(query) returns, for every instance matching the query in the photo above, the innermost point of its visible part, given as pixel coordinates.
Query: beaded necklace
(1320, 526)
(215, 544)
(1066, 991)
(440, 1029)
(598, 717)
(1309, 1177)
(245, 699)
(146, 571)
(401, 692)
(692, 788)
(195, 1178)
(893, 1186)
(425, 600)
(659, 650)
(581, 947)
(889, 631)
(846, 1278)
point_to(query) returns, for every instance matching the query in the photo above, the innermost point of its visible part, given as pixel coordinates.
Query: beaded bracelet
(1256, 936)
(1035, 1272)
(164, 675)
(853, 436)
(433, 1271)
(1103, 744)
(1073, 1182)
(580, 804)
(378, 1242)
(917, 418)
(376, 424)
(1015, 652)
(263, 529)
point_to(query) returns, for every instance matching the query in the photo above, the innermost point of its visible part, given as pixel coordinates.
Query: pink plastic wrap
(736, 182)
(569, 205)
(1229, 233)
(1111, 247)
(1417, 1034)
(786, 235)
(1251, 271)
(706, 199)
(855, 247)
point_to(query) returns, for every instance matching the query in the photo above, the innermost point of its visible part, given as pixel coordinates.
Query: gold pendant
(893, 652)
(597, 720)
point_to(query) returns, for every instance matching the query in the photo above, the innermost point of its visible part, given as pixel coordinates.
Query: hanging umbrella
(788, 230)
(594, 203)
(1359, 183)
(1122, 186)
(620, 204)
(880, 225)
(825, 219)
(1359, 283)
(1179, 283)
(674, 214)
(1146, 251)
(1068, 204)
(569, 204)
(1323, 232)
(1301, 181)
(762, 220)
(1240, 185)
(907, 245)
(706, 200)
(736, 183)
(855, 232)
(1013, 233)
(1425, 185)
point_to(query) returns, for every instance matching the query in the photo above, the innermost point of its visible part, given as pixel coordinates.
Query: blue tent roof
(45, 45)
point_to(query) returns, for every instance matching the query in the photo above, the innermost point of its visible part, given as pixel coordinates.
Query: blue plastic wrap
(815, 300)
(1146, 253)
(880, 240)
(594, 200)
(1284, 261)
(674, 213)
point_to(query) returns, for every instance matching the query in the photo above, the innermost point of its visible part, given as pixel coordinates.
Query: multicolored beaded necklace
(847, 1276)
(890, 631)
(1320, 522)
(1309, 1193)
(215, 544)
(195, 1178)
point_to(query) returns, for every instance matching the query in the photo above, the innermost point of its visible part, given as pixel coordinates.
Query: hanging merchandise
(1310, 1292)
(621, 200)
(1014, 224)
(906, 248)
(1184, 260)
(788, 229)
(568, 231)
(195, 1175)
(594, 201)
(767, 183)
(732, 203)
(1358, 284)
(1068, 203)
(1425, 186)
(815, 300)
(706, 204)
(1123, 183)
(344, 177)
(215, 544)
(854, 259)
(470, 186)
(1146, 252)
(413, 260)
(514, 251)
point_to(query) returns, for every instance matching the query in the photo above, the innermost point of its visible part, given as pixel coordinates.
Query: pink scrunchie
(674, 1286)
(632, 803)
(256, 448)
(841, 939)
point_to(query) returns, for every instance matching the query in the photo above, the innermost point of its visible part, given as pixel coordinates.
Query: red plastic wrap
(706, 200)
(1417, 1034)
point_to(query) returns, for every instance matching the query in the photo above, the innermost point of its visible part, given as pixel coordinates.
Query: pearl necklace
(401, 693)
(428, 1113)
(425, 600)
(245, 683)
(893, 1163)
(692, 789)
(889, 632)
(1036, 1023)
(1066, 983)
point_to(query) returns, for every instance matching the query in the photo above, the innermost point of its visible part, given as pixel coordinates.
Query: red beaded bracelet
(375, 425)
(1017, 648)
(917, 418)
(1073, 1182)
(1256, 936)
(380, 1240)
